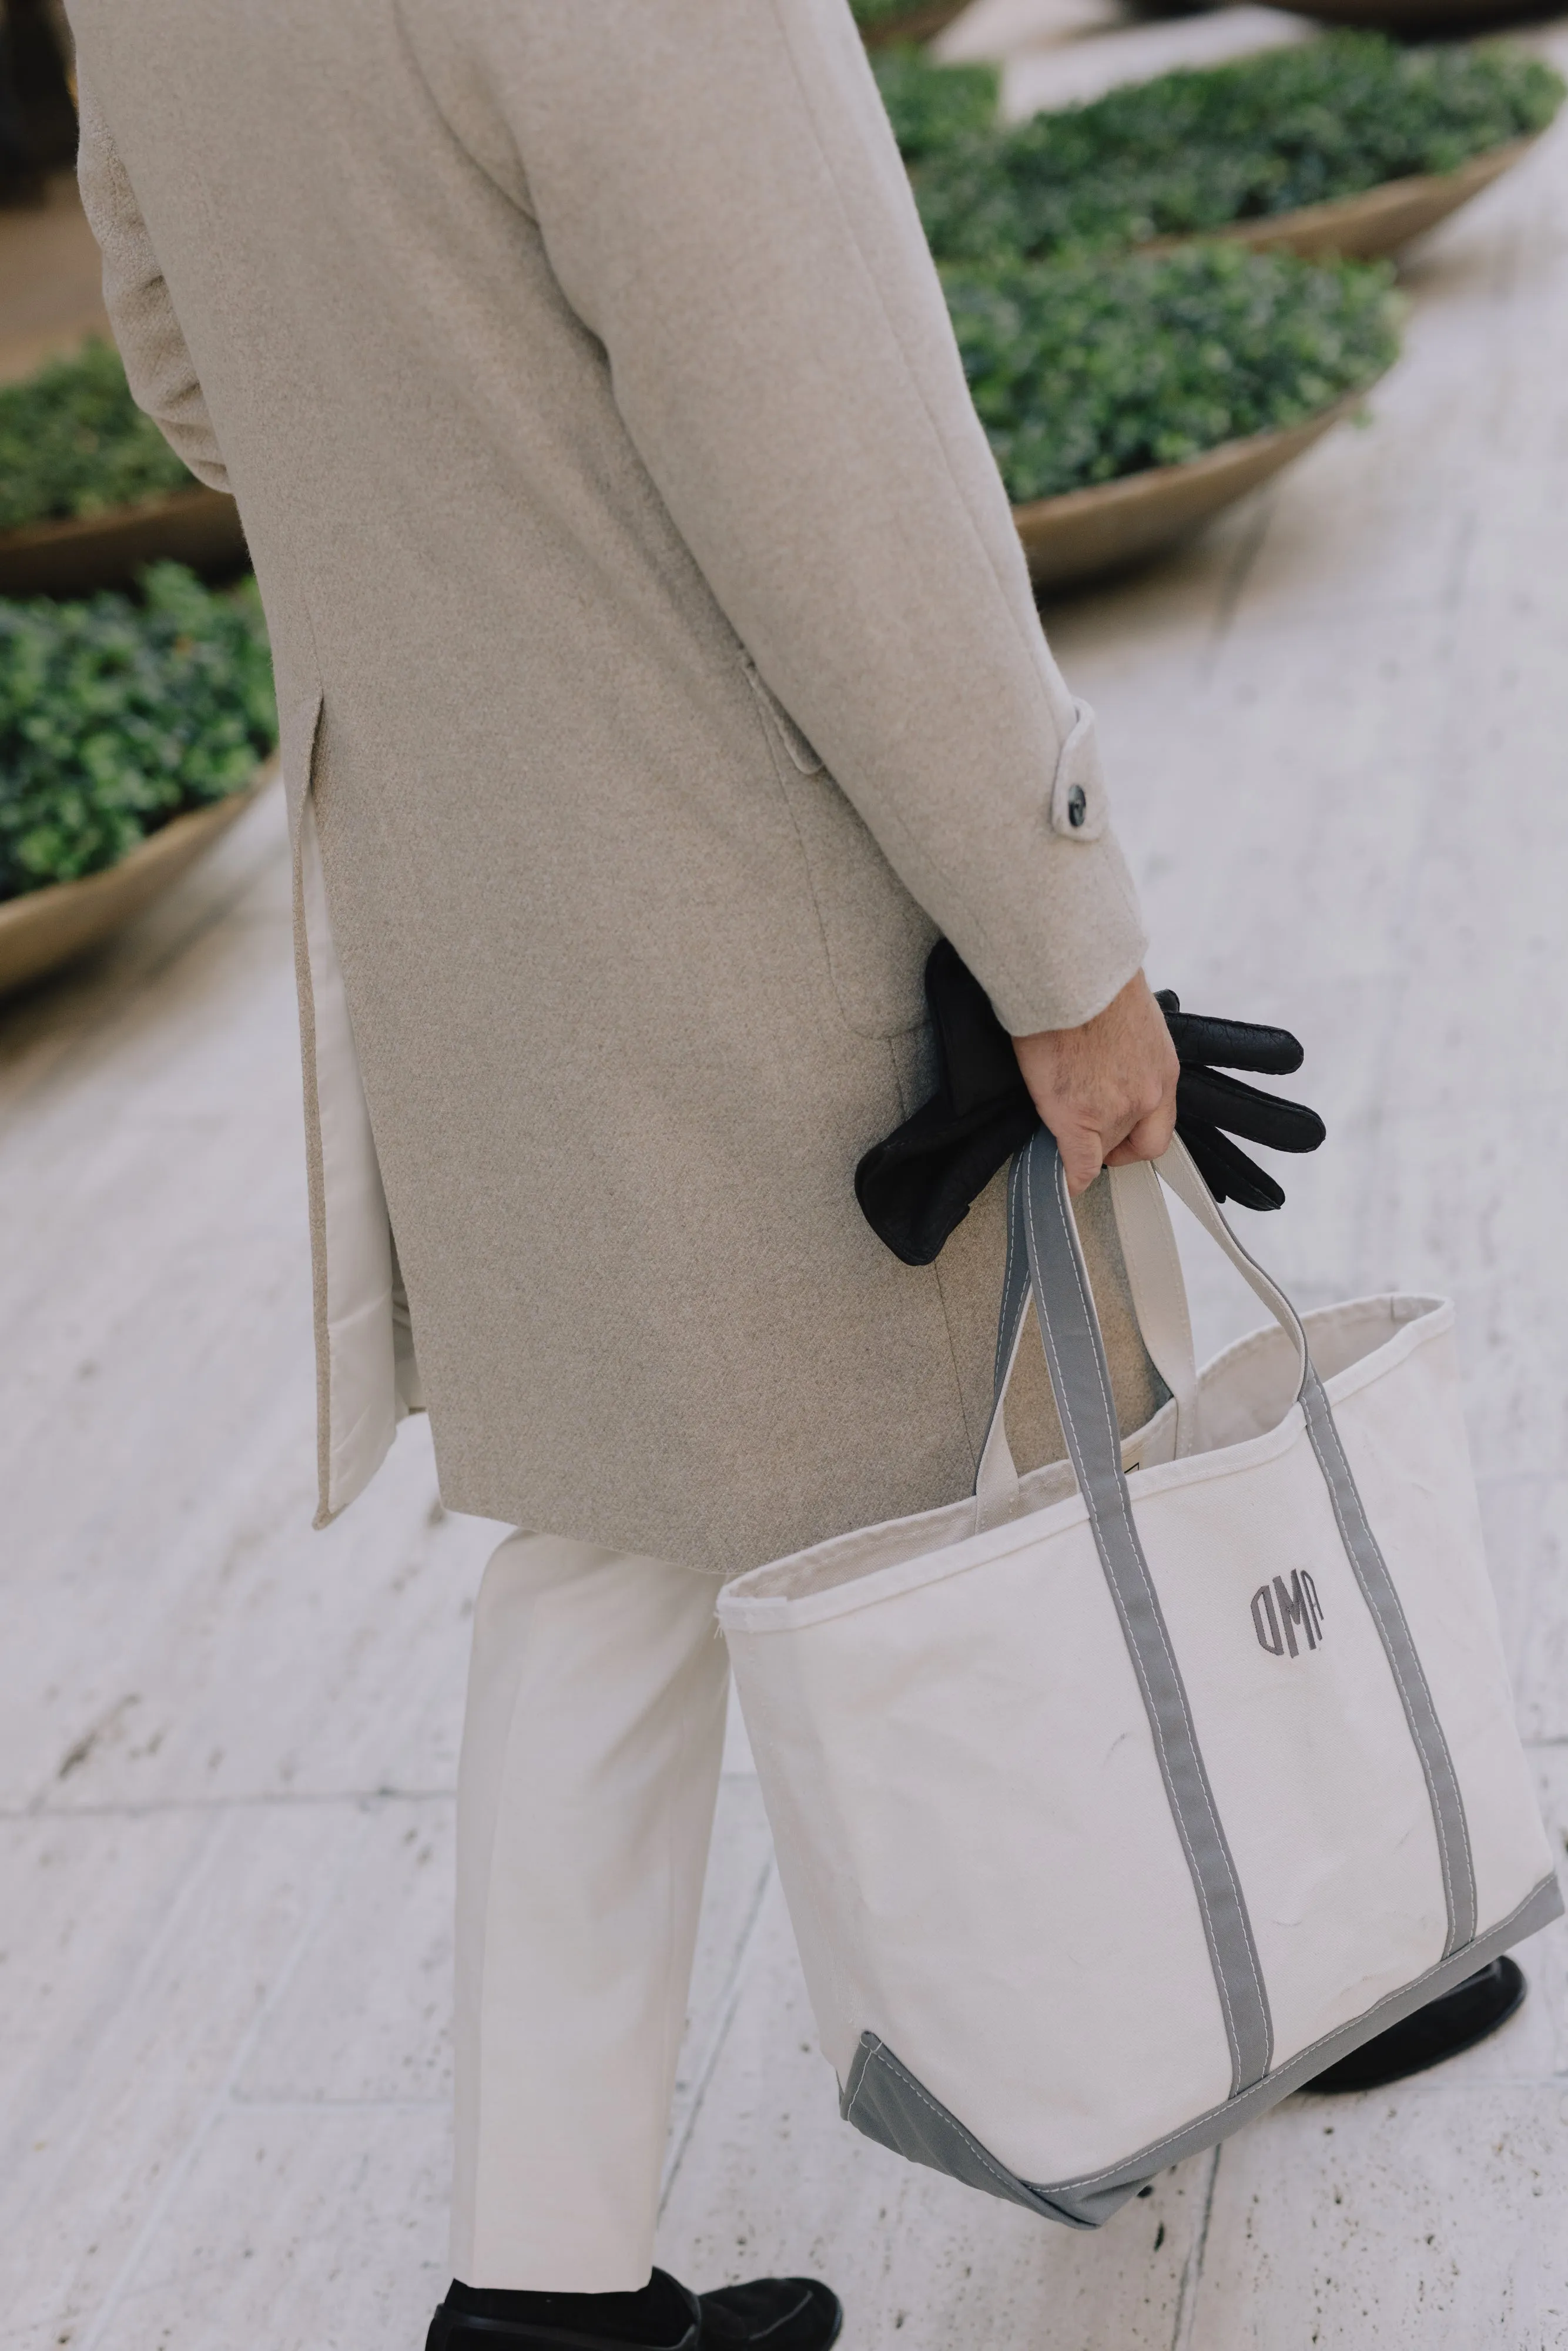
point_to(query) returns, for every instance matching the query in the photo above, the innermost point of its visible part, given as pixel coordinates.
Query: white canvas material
(1113, 1801)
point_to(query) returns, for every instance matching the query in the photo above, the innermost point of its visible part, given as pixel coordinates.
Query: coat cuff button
(1078, 792)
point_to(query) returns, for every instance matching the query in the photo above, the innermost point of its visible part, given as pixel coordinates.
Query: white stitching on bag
(1070, 1427)
(1196, 1875)
(883, 2056)
(1006, 1286)
(1092, 2178)
(1159, 1621)
(1390, 1648)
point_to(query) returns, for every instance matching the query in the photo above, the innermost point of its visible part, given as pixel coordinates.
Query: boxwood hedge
(933, 107)
(1195, 150)
(115, 714)
(73, 442)
(1083, 370)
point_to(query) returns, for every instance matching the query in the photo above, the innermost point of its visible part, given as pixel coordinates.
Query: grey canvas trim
(886, 2101)
(1370, 1572)
(1374, 1581)
(1065, 1309)
(1539, 1908)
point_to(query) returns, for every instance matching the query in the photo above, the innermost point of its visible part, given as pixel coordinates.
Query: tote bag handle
(1159, 1291)
(1045, 1261)
(1155, 1275)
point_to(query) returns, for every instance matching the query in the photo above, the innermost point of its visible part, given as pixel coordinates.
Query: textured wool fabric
(655, 647)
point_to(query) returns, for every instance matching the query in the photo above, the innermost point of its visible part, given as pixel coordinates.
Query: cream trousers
(590, 1760)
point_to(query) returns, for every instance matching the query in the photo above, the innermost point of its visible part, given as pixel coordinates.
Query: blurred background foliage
(1089, 361)
(117, 714)
(1195, 151)
(73, 442)
(1094, 369)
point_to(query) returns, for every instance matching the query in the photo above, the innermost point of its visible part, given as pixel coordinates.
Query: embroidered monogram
(1278, 1610)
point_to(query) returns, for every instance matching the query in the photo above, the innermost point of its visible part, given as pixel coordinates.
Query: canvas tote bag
(1116, 1800)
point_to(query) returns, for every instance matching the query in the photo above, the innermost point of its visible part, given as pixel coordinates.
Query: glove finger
(1228, 1173)
(1198, 1139)
(1233, 1044)
(1243, 1109)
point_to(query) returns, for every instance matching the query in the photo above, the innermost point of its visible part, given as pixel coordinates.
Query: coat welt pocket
(877, 938)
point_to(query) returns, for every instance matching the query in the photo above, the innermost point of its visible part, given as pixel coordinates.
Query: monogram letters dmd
(1278, 1610)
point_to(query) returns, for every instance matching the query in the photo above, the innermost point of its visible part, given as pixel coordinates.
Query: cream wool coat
(658, 674)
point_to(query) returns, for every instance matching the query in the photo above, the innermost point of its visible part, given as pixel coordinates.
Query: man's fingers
(1081, 1157)
(1149, 1139)
(1108, 1088)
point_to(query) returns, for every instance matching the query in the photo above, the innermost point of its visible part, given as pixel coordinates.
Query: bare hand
(1107, 1090)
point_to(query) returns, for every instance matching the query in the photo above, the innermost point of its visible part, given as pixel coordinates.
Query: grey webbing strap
(1366, 1560)
(1081, 1382)
(1371, 1572)
(996, 1491)
(1368, 1567)
(1015, 1281)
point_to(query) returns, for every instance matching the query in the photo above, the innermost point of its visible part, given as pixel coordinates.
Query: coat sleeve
(157, 363)
(721, 199)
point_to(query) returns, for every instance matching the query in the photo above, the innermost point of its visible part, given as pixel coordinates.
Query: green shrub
(933, 107)
(73, 442)
(115, 715)
(1087, 369)
(1193, 150)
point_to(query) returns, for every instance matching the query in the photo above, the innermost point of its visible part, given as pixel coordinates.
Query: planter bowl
(49, 928)
(1084, 533)
(1378, 221)
(1448, 16)
(922, 22)
(86, 552)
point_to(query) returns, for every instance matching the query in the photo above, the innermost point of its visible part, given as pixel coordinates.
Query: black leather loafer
(1455, 2021)
(663, 2317)
(772, 2314)
(767, 2314)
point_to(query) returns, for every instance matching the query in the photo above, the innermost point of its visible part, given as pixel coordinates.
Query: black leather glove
(920, 1181)
(1207, 1101)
